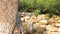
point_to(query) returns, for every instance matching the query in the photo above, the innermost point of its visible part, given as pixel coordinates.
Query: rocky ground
(42, 24)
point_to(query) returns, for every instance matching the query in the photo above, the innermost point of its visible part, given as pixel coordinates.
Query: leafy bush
(26, 4)
(37, 12)
(49, 6)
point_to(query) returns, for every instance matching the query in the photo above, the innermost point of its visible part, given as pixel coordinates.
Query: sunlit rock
(49, 32)
(38, 27)
(51, 28)
(26, 18)
(43, 16)
(57, 24)
(43, 22)
(22, 19)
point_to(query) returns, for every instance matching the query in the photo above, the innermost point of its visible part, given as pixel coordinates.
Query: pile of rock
(41, 24)
(54, 26)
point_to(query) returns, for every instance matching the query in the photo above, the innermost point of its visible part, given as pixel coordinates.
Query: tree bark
(8, 10)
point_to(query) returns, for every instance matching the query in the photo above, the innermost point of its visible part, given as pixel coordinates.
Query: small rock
(51, 28)
(22, 14)
(30, 20)
(39, 28)
(43, 22)
(22, 19)
(57, 24)
(58, 21)
(51, 20)
(58, 29)
(43, 16)
(26, 18)
(49, 32)
(38, 33)
(28, 14)
(43, 26)
(33, 17)
(52, 24)
(55, 32)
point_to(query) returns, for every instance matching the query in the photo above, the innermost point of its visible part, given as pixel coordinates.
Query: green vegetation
(37, 12)
(51, 7)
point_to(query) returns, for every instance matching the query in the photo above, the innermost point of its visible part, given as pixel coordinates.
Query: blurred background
(39, 16)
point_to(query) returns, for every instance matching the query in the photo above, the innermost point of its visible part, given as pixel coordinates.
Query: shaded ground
(16, 31)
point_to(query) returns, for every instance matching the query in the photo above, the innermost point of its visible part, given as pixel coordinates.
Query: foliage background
(51, 7)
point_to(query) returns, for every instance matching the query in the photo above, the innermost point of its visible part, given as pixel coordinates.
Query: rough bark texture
(8, 10)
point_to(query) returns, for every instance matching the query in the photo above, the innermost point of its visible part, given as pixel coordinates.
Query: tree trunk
(8, 10)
